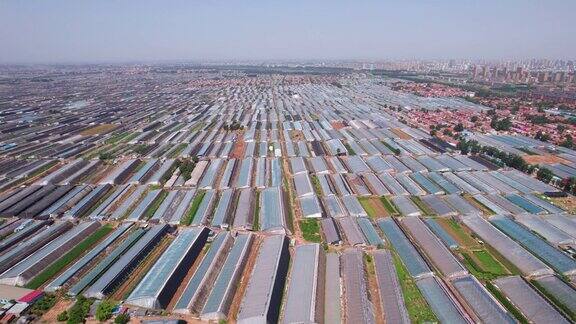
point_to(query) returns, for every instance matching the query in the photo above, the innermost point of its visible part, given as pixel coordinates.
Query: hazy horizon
(67, 31)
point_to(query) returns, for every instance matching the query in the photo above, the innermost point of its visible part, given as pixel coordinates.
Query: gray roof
(302, 297)
(122, 267)
(358, 308)
(147, 292)
(533, 306)
(222, 292)
(391, 297)
(257, 303)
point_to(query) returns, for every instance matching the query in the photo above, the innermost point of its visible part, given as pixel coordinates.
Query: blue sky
(47, 31)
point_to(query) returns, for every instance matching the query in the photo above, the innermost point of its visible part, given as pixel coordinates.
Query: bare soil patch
(100, 129)
(542, 159)
(401, 134)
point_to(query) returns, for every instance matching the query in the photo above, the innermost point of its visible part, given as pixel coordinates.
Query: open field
(479, 259)
(193, 208)
(69, 257)
(401, 133)
(311, 230)
(374, 207)
(122, 292)
(543, 159)
(418, 309)
(422, 206)
(100, 129)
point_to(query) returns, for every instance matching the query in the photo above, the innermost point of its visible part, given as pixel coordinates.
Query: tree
(501, 125)
(459, 127)
(569, 185)
(62, 317)
(539, 119)
(568, 142)
(474, 118)
(122, 318)
(105, 156)
(542, 136)
(561, 128)
(544, 175)
(463, 146)
(141, 149)
(79, 311)
(104, 310)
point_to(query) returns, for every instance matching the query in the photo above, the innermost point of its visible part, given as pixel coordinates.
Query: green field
(69, 257)
(456, 231)
(418, 309)
(478, 204)
(290, 202)
(365, 202)
(152, 209)
(311, 230)
(256, 225)
(193, 208)
(349, 149)
(478, 270)
(423, 207)
(316, 184)
(488, 263)
(389, 206)
(177, 150)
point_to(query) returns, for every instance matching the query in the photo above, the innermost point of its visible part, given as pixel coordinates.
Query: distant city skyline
(66, 31)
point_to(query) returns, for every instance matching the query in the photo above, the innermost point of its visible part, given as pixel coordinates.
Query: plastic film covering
(406, 206)
(441, 233)
(525, 204)
(160, 282)
(358, 308)
(334, 207)
(529, 302)
(87, 258)
(439, 300)
(125, 264)
(305, 298)
(353, 206)
(416, 266)
(446, 185)
(193, 296)
(563, 292)
(545, 229)
(310, 207)
(272, 210)
(23, 272)
(263, 297)
(526, 262)
(351, 231)
(221, 213)
(483, 304)
(431, 245)
(222, 292)
(93, 274)
(556, 259)
(439, 206)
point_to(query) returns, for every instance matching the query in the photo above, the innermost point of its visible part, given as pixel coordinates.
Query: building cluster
(520, 75)
(193, 195)
(431, 90)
